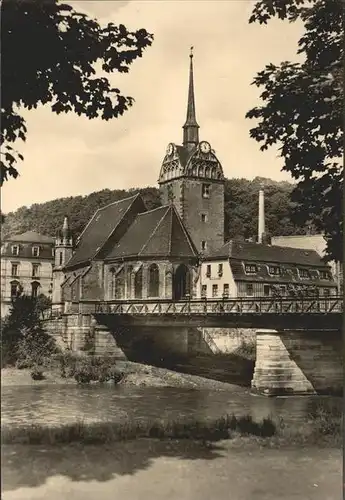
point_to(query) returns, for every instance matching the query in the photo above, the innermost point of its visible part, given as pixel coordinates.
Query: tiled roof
(30, 237)
(157, 233)
(257, 252)
(101, 226)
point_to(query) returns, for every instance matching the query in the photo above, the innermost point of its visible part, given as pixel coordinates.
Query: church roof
(249, 251)
(157, 233)
(30, 237)
(99, 229)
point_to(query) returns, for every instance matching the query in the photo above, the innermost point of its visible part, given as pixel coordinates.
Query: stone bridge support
(298, 362)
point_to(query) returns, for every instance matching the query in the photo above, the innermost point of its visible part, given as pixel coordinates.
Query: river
(62, 404)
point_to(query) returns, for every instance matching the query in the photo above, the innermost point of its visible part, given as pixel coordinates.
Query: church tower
(63, 253)
(192, 178)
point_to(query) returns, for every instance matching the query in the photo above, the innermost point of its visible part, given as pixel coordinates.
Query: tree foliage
(241, 210)
(301, 112)
(50, 55)
(22, 336)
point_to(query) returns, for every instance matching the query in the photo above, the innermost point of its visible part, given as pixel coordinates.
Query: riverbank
(147, 469)
(135, 374)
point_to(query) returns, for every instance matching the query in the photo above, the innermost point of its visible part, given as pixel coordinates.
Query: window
(326, 292)
(35, 270)
(208, 270)
(267, 290)
(325, 275)
(14, 270)
(14, 289)
(304, 273)
(250, 268)
(15, 250)
(60, 258)
(204, 291)
(206, 190)
(220, 270)
(203, 218)
(282, 290)
(249, 290)
(35, 251)
(34, 289)
(203, 245)
(226, 290)
(214, 290)
(274, 270)
(153, 290)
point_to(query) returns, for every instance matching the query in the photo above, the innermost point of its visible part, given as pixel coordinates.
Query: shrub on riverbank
(85, 369)
(107, 432)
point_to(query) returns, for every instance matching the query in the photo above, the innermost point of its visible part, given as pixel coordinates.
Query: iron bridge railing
(236, 306)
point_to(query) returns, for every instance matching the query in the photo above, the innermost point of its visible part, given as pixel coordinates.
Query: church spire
(191, 128)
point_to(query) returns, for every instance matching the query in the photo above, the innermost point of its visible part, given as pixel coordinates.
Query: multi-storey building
(27, 265)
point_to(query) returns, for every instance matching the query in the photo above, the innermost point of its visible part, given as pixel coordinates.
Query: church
(127, 252)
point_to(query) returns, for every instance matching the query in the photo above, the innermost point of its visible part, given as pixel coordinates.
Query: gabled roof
(30, 237)
(157, 233)
(99, 229)
(248, 251)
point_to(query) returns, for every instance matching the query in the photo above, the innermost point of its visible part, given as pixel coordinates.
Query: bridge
(259, 312)
(298, 340)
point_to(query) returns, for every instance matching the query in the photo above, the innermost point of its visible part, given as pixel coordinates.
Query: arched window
(138, 284)
(120, 284)
(207, 172)
(129, 280)
(153, 281)
(15, 288)
(35, 289)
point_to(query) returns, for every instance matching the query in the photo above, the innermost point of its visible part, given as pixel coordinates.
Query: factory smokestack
(261, 224)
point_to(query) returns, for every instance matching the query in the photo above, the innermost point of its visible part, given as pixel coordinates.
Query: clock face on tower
(170, 149)
(205, 147)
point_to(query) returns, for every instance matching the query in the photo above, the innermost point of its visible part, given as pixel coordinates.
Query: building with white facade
(26, 265)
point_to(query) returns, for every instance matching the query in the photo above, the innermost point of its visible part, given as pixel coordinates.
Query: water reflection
(66, 404)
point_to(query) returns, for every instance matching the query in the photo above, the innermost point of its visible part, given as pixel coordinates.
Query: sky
(67, 155)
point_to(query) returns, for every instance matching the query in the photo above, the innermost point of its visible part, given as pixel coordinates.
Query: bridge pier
(298, 362)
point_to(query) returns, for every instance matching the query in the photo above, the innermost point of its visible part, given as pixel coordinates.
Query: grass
(107, 432)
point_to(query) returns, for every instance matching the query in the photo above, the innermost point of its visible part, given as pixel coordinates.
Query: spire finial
(191, 128)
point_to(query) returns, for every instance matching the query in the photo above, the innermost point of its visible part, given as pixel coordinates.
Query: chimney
(261, 222)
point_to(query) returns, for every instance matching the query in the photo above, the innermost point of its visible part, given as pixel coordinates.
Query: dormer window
(325, 275)
(203, 245)
(250, 268)
(274, 270)
(15, 250)
(35, 251)
(304, 274)
(206, 190)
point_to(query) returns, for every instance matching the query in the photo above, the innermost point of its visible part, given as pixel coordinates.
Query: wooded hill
(241, 210)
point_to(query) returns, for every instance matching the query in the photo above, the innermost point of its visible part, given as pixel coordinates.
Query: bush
(86, 368)
(35, 348)
(37, 374)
